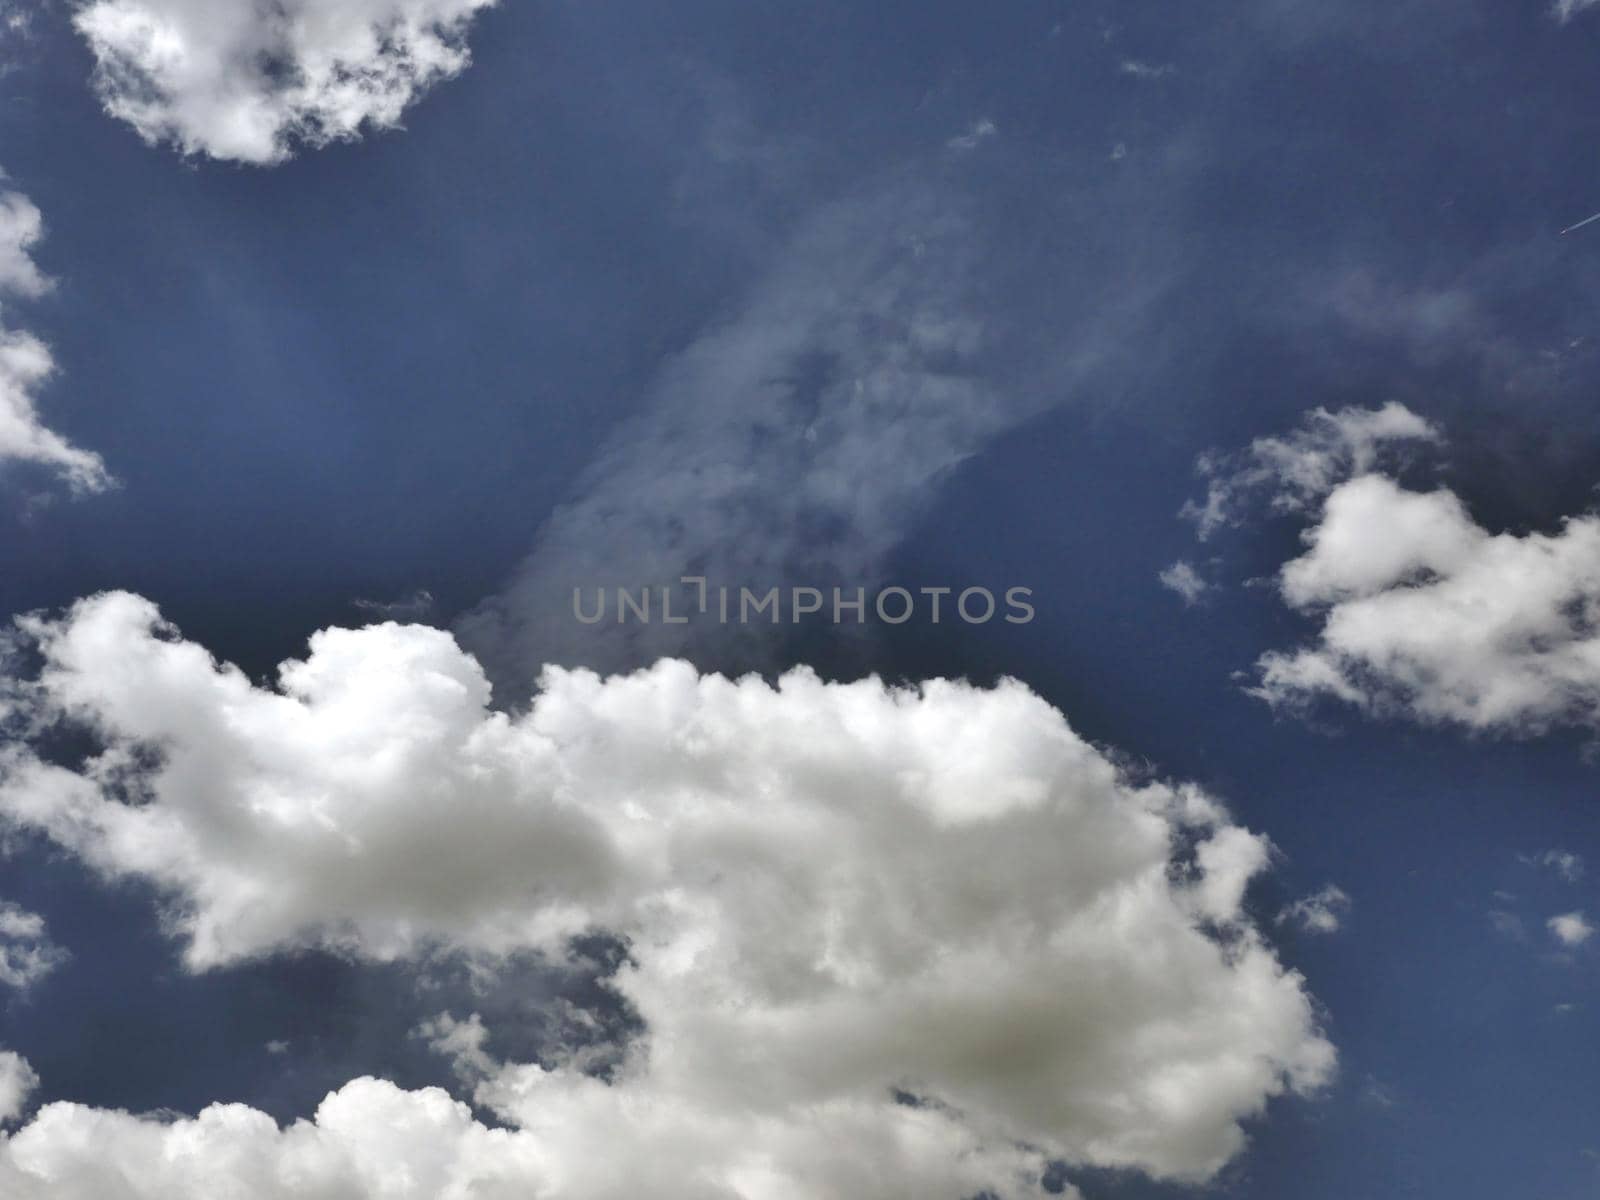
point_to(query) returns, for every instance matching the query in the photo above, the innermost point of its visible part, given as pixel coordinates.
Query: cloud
(27, 954)
(1565, 10)
(1182, 578)
(1564, 863)
(1143, 70)
(241, 80)
(1570, 929)
(1427, 614)
(878, 938)
(1423, 612)
(17, 1082)
(791, 443)
(977, 133)
(26, 364)
(1320, 912)
(1300, 469)
(373, 1139)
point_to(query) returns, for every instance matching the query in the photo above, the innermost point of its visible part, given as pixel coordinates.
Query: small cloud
(1570, 929)
(1565, 10)
(1143, 70)
(464, 1043)
(1320, 912)
(980, 131)
(1182, 578)
(1378, 1094)
(1567, 866)
(1298, 470)
(277, 1047)
(27, 954)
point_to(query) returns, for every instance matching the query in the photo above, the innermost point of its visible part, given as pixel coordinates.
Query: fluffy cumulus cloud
(881, 941)
(244, 80)
(1426, 613)
(1421, 611)
(27, 954)
(25, 362)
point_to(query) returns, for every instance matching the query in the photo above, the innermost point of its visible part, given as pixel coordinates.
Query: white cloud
(830, 892)
(17, 1082)
(1565, 10)
(1564, 863)
(27, 954)
(242, 80)
(1423, 612)
(1144, 70)
(1427, 614)
(977, 133)
(25, 361)
(371, 1139)
(1320, 912)
(1570, 929)
(1298, 470)
(1181, 577)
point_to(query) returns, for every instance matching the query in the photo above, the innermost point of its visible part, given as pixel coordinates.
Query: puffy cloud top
(882, 941)
(1426, 613)
(241, 80)
(1423, 612)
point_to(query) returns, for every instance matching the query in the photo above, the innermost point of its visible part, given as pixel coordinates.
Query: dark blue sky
(381, 366)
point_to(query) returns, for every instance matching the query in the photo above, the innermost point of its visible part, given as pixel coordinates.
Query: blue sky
(825, 295)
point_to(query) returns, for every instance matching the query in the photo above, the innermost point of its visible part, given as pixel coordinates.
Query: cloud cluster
(1423, 612)
(242, 80)
(1426, 613)
(25, 361)
(881, 941)
(27, 954)
(1297, 470)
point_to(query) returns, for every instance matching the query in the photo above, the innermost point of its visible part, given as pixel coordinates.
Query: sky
(351, 351)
